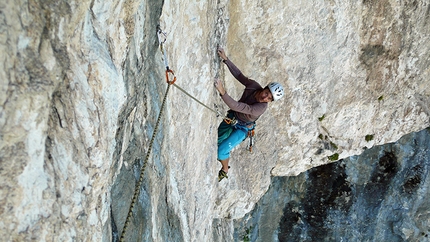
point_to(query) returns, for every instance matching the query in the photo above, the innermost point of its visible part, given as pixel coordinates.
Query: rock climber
(243, 113)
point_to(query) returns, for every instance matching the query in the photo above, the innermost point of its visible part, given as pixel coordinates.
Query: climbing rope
(195, 99)
(161, 38)
(142, 170)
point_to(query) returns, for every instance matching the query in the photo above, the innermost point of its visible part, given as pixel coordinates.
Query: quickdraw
(161, 39)
(162, 36)
(231, 121)
(142, 170)
(251, 134)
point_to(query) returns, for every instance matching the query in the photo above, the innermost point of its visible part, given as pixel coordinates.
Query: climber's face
(264, 96)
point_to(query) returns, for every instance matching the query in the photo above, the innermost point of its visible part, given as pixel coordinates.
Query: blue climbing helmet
(276, 89)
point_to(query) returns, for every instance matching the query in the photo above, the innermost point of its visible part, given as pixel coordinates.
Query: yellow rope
(142, 171)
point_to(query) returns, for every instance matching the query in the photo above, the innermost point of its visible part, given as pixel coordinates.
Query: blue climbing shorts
(230, 136)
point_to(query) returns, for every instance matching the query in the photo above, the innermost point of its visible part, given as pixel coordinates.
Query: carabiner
(231, 121)
(167, 76)
(162, 36)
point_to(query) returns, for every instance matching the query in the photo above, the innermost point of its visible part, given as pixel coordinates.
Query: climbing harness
(170, 79)
(162, 36)
(250, 126)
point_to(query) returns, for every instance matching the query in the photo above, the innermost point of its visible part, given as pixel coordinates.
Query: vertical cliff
(82, 84)
(73, 75)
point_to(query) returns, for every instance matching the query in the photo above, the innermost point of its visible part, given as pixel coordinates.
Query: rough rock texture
(82, 84)
(363, 66)
(65, 89)
(380, 195)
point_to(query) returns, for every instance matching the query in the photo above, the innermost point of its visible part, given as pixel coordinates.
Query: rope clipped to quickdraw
(161, 39)
(162, 36)
(142, 171)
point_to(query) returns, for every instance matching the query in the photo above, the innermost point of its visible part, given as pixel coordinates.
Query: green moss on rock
(334, 157)
(368, 137)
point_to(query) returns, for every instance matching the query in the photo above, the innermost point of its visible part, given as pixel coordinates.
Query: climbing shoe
(221, 175)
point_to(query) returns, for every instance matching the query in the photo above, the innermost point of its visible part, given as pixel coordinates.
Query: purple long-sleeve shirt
(247, 109)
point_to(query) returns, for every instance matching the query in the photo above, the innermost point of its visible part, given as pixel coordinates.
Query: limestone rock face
(350, 69)
(64, 92)
(82, 84)
(380, 195)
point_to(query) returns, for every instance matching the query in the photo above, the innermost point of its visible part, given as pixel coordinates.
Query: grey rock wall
(82, 84)
(380, 195)
(71, 78)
